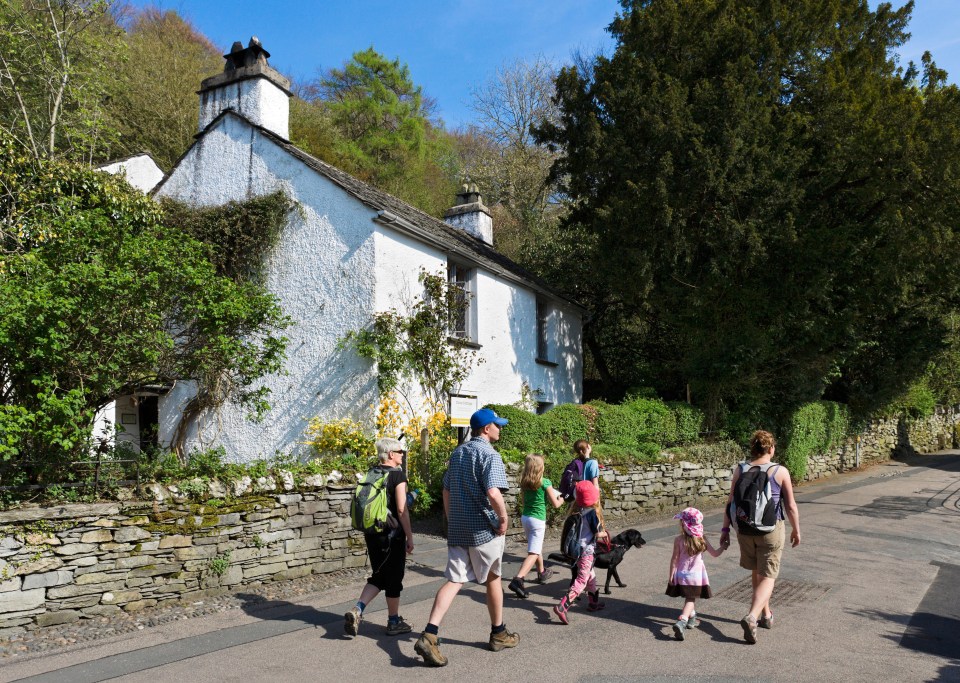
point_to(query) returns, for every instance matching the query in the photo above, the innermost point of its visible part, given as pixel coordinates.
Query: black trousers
(388, 560)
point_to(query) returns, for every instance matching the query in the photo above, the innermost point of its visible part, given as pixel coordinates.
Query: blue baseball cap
(485, 416)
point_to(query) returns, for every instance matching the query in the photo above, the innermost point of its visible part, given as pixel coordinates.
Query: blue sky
(452, 46)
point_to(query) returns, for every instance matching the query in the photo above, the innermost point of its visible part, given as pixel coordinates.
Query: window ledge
(548, 363)
(465, 343)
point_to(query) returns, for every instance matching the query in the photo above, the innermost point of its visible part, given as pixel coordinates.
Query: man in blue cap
(473, 489)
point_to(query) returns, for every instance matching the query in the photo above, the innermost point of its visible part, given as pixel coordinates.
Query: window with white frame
(460, 280)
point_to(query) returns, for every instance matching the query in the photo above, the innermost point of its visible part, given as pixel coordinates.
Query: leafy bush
(525, 431)
(918, 401)
(689, 421)
(813, 428)
(618, 426)
(566, 422)
(656, 421)
(333, 439)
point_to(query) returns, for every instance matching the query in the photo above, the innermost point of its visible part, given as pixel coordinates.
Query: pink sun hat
(692, 520)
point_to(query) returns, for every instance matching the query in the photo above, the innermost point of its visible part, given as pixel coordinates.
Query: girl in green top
(537, 490)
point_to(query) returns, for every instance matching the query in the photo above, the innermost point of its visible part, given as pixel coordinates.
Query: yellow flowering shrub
(338, 438)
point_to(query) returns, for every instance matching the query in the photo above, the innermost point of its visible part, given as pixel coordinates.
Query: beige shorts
(474, 563)
(762, 553)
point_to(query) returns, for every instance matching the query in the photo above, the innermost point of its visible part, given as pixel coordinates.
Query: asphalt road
(871, 594)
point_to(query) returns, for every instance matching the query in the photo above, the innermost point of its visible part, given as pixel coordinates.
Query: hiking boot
(765, 622)
(516, 585)
(693, 621)
(561, 609)
(594, 602)
(351, 621)
(428, 647)
(749, 625)
(680, 628)
(505, 638)
(398, 626)
(542, 578)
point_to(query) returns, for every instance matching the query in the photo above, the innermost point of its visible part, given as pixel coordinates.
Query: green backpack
(368, 509)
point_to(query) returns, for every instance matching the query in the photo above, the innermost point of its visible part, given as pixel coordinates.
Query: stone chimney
(250, 87)
(470, 214)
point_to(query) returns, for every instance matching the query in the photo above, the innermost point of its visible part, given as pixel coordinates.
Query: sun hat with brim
(692, 520)
(586, 494)
(485, 416)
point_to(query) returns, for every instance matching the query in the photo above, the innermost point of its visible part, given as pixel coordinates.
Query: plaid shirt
(474, 469)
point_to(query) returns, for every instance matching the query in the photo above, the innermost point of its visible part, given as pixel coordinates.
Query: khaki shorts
(762, 553)
(474, 563)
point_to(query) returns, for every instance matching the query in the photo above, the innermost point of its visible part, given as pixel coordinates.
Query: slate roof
(412, 220)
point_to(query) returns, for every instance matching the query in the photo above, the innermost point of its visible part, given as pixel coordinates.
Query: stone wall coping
(65, 511)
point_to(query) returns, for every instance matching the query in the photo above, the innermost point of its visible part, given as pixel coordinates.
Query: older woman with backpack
(760, 493)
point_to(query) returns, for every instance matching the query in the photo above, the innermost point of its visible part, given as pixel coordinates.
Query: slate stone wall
(71, 562)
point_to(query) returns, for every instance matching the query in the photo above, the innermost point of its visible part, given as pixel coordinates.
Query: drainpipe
(857, 457)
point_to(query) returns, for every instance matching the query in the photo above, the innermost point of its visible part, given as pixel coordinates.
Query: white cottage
(352, 250)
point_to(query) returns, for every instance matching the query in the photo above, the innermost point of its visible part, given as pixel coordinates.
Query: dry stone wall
(69, 562)
(58, 565)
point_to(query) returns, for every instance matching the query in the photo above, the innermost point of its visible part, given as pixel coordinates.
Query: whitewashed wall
(323, 274)
(507, 330)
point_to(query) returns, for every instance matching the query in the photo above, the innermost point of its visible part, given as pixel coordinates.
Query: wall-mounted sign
(128, 418)
(461, 408)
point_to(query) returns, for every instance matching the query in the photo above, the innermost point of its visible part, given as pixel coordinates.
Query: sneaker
(428, 647)
(765, 622)
(542, 578)
(505, 638)
(516, 585)
(395, 628)
(594, 603)
(680, 628)
(749, 625)
(561, 609)
(693, 621)
(351, 621)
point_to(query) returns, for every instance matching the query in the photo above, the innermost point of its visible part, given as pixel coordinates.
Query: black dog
(620, 544)
(609, 560)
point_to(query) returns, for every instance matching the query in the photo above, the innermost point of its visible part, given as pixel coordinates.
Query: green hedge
(813, 428)
(634, 431)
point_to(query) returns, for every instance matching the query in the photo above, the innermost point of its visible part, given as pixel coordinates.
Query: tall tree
(383, 132)
(501, 155)
(56, 61)
(153, 102)
(766, 190)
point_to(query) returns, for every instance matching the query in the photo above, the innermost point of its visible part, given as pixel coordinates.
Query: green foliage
(237, 235)
(99, 296)
(370, 119)
(737, 168)
(524, 433)
(57, 61)
(220, 564)
(153, 94)
(689, 421)
(918, 401)
(813, 428)
(566, 422)
(416, 346)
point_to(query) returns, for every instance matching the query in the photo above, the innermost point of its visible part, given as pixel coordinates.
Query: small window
(461, 313)
(544, 311)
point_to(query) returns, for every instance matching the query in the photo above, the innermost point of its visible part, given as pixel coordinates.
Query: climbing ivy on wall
(237, 234)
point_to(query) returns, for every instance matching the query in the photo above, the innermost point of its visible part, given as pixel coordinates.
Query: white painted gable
(141, 171)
